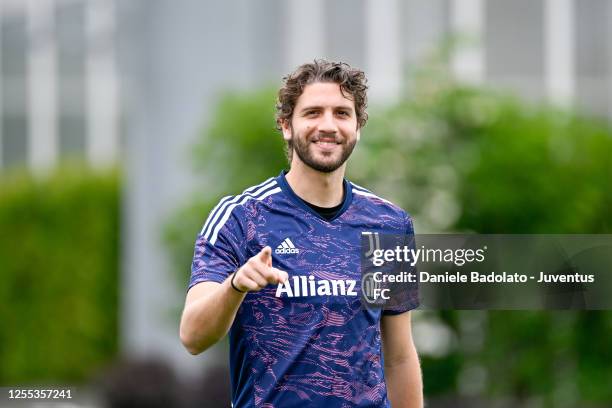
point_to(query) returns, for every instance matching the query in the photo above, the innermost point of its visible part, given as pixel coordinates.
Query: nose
(327, 123)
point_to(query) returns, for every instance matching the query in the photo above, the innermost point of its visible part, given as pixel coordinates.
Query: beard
(303, 147)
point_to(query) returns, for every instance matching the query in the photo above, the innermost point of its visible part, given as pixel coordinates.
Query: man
(266, 260)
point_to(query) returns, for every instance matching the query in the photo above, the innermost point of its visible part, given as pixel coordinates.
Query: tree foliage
(59, 244)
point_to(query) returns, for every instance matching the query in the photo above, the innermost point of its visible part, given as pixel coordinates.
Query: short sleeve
(407, 294)
(218, 250)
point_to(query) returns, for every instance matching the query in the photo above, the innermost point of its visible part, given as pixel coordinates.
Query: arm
(210, 307)
(402, 370)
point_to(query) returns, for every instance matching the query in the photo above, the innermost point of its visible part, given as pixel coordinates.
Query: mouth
(326, 142)
(326, 145)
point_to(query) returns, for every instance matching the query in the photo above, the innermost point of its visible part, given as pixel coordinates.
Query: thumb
(265, 256)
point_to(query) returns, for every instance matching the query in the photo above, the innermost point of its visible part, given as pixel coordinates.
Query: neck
(315, 187)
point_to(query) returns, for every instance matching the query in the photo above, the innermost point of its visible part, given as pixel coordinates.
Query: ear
(358, 133)
(286, 128)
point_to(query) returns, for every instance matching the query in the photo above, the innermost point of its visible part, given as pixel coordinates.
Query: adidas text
(286, 251)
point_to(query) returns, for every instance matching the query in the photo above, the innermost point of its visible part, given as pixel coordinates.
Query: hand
(258, 272)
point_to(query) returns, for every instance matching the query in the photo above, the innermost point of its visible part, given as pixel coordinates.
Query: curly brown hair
(352, 81)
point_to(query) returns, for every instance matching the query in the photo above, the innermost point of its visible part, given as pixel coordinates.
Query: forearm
(210, 308)
(404, 381)
(208, 318)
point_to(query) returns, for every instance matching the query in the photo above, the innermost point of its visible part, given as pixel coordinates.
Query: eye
(343, 113)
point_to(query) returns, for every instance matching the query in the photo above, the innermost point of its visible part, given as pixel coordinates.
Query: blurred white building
(133, 81)
(58, 82)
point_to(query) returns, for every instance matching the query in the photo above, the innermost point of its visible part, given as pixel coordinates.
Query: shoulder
(379, 204)
(230, 210)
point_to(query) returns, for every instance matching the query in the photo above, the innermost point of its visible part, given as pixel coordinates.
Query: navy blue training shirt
(308, 342)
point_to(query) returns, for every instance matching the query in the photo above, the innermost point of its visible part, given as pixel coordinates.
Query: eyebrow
(315, 107)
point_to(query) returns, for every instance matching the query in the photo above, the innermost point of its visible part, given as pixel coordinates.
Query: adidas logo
(286, 247)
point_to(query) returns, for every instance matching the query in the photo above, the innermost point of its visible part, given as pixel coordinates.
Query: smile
(326, 146)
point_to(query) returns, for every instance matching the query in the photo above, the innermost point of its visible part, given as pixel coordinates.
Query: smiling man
(278, 267)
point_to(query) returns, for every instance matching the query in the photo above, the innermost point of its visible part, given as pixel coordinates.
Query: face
(323, 128)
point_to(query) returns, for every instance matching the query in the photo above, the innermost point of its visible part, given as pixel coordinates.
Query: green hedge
(59, 241)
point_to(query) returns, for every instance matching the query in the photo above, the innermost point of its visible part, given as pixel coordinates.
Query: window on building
(71, 49)
(13, 46)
